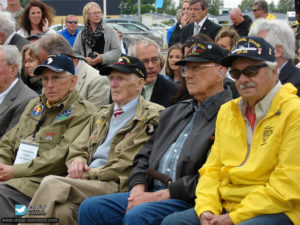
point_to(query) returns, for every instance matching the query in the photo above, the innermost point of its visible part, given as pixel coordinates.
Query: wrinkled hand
(221, 220)
(136, 191)
(76, 169)
(184, 20)
(5, 172)
(45, 27)
(94, 61)
(148, 197)
(206, 218)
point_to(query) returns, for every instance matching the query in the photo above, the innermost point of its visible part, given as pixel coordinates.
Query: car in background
(128, 36)
(159, 27)
(154, 35)
(127, 21)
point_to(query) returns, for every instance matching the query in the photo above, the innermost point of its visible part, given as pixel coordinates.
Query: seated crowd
(91, 135)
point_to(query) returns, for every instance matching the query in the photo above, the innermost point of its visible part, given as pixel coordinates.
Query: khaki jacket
(53, 137)
(125, 145)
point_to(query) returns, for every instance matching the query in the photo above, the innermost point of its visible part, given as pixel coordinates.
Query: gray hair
(54, 44)
(11, 55)
(145, 41)
(7, 24)
(178, 15)
(279, 33)
(262, 4)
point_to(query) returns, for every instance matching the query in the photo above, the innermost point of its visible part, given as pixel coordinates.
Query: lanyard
(40, 123)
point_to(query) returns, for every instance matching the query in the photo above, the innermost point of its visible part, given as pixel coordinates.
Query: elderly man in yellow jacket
(101, 157)
(252, 174)
(38, 145)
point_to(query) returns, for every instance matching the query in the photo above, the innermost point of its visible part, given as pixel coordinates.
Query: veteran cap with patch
(126, 64)
(56, 63)
(250, 47)
(204, 52)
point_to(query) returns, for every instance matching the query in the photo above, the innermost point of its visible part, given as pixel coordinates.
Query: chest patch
(63, 115)
(37, 110)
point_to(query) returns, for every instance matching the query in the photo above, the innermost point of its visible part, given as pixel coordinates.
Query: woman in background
(36, 18)
(172, 71)
(97, 42)
(29, 62)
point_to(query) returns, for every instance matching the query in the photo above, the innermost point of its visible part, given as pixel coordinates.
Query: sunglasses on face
(75, 22)
(255, 10)
(248, 71)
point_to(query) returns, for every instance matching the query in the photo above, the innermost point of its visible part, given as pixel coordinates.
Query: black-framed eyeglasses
(248, 71)
(71, 21)
(254, 10)
(154, 60)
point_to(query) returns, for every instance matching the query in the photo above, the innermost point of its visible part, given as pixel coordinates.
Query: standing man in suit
(281, 36)
(14, 94)
(90, 84)
(157, 89)
(8, 36)
(198, 12)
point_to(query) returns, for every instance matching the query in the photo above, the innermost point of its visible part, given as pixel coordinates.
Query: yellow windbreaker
(265, 182)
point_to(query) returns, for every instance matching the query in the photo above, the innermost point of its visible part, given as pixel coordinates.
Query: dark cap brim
(39, 69)
(191, 59)
(107, 70)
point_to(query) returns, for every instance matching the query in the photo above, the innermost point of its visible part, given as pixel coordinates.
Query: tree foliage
(214, 6)
(24, 3)
(285, 5)
(246, 5)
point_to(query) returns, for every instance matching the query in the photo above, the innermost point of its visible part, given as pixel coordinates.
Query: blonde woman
(97, 42)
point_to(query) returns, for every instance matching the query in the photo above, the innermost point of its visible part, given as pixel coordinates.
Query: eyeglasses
(154, 60)
(194, 9)
(254, 10)
(54, 79)
(95, 13)
(248, 71)
(193, 69)
(70, 21)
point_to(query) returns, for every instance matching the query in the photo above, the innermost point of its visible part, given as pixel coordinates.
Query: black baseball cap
(204, 52)
(252, 48)
(126, 64)
(57, 63)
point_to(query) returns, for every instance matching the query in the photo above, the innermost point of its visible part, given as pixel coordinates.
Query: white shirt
(4, 93)
(200, 24)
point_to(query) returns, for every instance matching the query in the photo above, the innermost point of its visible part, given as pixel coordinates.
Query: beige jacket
(125, 145)
(92, 86)
(62, 125)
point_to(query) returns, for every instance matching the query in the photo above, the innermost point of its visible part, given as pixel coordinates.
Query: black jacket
(18, 41)
(290, 74)
(163, 91)
(209, 28)
(194, 152)
(175, 37)
(244, 27)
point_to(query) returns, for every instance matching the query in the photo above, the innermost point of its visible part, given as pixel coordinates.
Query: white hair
(11, 55)
(7, 24)
(279, 33)
(145, 42)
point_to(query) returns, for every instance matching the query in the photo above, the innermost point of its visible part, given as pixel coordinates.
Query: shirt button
(175, 150)
(185, 135)
(168, 170)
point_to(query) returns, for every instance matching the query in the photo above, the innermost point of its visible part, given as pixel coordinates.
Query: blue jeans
(111, 209)
(189, 217)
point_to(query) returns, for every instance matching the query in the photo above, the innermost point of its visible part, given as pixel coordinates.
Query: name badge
(27, 152)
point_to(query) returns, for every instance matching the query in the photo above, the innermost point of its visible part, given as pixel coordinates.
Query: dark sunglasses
(248, 71)
(254, 10)
(75, 22)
